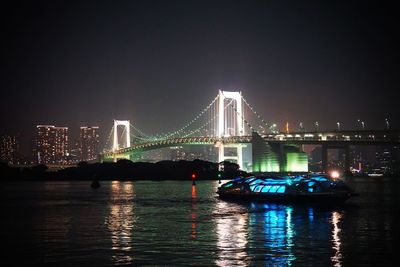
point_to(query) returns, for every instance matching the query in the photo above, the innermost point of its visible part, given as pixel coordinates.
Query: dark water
(172, 223)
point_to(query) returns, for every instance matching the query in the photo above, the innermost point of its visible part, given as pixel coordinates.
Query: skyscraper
(386, 159)
(9, 147)
(51, 144)
(88, 143)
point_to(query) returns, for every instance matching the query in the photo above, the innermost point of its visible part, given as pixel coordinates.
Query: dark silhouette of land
(127, 170)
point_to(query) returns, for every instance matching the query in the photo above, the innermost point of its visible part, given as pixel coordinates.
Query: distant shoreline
(126, 170)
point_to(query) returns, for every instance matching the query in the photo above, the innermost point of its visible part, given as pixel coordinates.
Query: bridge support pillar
(221, 152)
(239, 150)
(347, 160)
(239, 153)
(324, 155)
(281, 158)
(116, 157)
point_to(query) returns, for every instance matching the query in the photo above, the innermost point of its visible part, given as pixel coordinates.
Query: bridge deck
(331, 138)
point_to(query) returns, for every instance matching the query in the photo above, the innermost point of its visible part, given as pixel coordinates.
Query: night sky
(159, 63)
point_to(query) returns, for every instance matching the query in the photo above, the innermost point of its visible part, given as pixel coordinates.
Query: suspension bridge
(231, 124)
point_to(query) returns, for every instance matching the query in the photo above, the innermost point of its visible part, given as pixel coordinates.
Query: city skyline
(87, 63)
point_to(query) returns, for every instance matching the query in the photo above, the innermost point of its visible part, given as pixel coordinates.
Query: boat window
(273, 189)
(258, 188)
(281, 189)
(320, 179)
(229, 184)
(249, 180)
(271, 184)
(266, 189)
(257, 181)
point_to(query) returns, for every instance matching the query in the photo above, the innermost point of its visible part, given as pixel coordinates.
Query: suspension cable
(204, 125)
(109, 137)
(139, 131)
(255, 112)
(170, 134)
(247, 123)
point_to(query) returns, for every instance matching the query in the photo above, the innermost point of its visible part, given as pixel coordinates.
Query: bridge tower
(126, 124)
(230, 123)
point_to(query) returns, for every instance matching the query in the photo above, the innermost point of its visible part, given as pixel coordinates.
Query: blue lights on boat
(267, 185)
(281, 189)
(286, 187)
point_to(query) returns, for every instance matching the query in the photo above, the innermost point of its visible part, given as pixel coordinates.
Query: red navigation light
(193, 176)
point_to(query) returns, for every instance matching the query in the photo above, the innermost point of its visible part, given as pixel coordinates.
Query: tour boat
(302, 188)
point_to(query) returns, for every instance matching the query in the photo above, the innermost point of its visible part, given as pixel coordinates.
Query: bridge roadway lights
(327, 140)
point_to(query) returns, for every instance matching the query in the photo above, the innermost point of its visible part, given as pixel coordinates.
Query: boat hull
(337, 198)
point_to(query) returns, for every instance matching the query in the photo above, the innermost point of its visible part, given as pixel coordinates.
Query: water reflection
(289, 235)
(232, 231)
(193, 213)
(337, 257)
(152, 223)
(120, 221)
(276, 234)
(310, 214)
(273, 225)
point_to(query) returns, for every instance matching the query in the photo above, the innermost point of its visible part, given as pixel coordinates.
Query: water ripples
(175, 223)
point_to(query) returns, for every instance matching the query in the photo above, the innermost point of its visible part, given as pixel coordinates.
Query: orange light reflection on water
(193, 213)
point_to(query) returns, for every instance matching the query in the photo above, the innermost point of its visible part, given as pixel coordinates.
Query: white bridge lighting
(126, 124)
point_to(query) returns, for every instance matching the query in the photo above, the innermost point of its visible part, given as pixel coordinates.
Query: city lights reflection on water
(337, 257)
(120, 222)
(231, 230)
